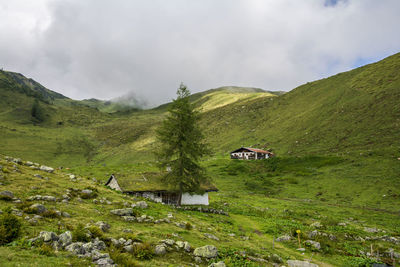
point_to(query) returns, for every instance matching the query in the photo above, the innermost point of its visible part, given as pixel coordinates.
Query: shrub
(50, 214)
(10, 227)
(96, 232)
(121, 258)
(46, 250)
(188, 226)
(143, 251)
(80, 234)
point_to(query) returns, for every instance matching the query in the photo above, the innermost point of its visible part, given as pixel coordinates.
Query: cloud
(105, 49)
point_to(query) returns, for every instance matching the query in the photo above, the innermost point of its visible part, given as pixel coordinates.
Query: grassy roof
(150, 181)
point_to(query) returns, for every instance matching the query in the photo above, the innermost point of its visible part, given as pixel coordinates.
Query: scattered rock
(46, 169)
(283, 238)
(342, 224)
(313, 234)
(7, 194)
(316, 225)
(160, 250)
(123, 212)
(371, 230)
(314, 244)
(49, 198)
(141, 204)
(103, 226)
(297, 263)
(48, 236)
(65, 238)
(276, 258)
(208, 251)
(217, 264)
(211, 236)
(38, 208)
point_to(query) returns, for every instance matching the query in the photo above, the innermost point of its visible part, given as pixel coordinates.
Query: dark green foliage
(80, 234)
(46, 250)
(121, 258)
(5, 198)
(50, 214)
(37, 112)
(182, 145)
(10, 227)
(96, 232)
(143, 251)
(359, 261)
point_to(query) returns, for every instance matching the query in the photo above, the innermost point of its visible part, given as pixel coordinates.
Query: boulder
(313, 234)
(316, 225)
(123, 212)
(38, 208)
(48, 236)
(208, 251)
(217, 264)
(283, 238)
(211, 236)
(129, 218)
(46, 169)
(160, 250)
(49, 198)
(103, 226)
(297, 263)
(7, 194)
(187, 246)
(76, 248)
(104, 262)
(141, 204)
(314, 244)
(169, 242)
(65, 238)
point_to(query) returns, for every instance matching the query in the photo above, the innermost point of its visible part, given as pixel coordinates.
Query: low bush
(46, 250)
(121, 258)
(10, 227)
(143, 251)
(50, 214)
(80, 234)
(96, 232)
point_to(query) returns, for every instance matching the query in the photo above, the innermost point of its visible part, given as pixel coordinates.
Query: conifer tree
(182, 145)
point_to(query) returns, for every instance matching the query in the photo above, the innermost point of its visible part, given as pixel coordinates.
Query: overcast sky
(105, 49)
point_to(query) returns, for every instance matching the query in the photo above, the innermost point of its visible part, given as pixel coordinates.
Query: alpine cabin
(251, 153)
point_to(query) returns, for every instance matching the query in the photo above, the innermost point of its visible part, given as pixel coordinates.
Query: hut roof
(257, 150)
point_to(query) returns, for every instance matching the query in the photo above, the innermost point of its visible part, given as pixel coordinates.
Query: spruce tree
(182, 145)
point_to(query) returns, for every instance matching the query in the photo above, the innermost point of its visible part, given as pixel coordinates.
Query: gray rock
(315, 244)
(86, 192)
(316, 225)
(33, 221)
(169, 242)
(208, 251)
(127, 231)
(297, 263)
(301, 249)
(217, 264)
(98, 244)
(36, 197)
(187, 246)
(123, 212)
(104, 262)
(46, 169)
(211, 236)
(65, 214)
(371, 230)
(103, 226)
(49, 198)
(283, 238)
(313, 234)
(48, 236)
(29, 163)
(197, 260)
(7, 194)
(141, 204)
(38, 208)
(75, 248)
(128, 248)
(160, 250)
(342, 224)
(65, 238)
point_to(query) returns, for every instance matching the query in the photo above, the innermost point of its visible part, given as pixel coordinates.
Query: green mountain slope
(356, 110)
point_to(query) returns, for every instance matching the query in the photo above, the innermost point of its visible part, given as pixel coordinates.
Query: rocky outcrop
(297, 263)
(123, 212)
(208, 251)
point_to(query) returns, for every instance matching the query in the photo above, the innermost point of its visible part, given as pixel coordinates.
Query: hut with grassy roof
(150, 185)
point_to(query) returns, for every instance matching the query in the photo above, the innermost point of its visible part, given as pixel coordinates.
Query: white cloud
(105, 49)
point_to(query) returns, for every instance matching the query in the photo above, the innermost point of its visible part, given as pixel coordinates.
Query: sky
(107, 49)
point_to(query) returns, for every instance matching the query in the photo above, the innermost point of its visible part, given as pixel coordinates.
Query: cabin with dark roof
(251, 153)
(150, 186)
